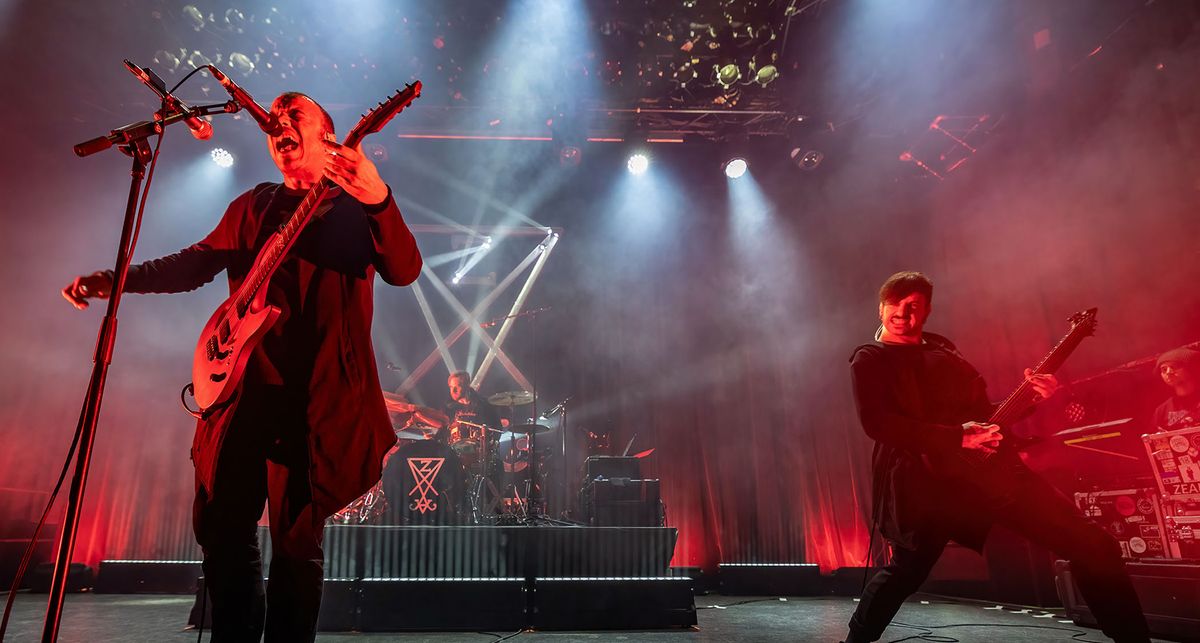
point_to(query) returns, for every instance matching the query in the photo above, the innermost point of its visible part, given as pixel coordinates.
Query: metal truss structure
(471, 320)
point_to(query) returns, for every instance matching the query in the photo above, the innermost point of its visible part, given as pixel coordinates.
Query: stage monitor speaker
(1169, 592)
(80, 578)
(771, 579)
(147, 576)
(611, 603)
(433, 604)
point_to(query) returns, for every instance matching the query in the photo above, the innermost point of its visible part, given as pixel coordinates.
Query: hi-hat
(529, 428)
(511, 398)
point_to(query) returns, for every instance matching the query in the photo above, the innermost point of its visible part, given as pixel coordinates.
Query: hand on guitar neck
(355, 173)
(1044, 384)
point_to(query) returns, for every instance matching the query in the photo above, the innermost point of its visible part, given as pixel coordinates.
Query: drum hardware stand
(561, 409)
(533, 501)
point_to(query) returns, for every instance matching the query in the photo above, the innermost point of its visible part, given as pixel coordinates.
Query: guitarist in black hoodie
(920, 400)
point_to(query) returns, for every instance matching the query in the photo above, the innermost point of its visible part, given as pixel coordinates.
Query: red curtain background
(717, 332)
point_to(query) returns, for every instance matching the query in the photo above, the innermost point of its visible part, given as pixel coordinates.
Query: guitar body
(221, 356)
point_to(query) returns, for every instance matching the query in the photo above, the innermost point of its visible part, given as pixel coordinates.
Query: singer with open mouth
(307, 430)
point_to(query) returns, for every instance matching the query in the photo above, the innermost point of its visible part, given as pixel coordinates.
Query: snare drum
(425, 485)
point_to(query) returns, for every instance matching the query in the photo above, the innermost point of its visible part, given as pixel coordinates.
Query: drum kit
(454, 476)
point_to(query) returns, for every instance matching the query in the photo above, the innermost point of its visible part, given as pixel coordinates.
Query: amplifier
(1169, 592)
(1132, 516)
(604, 466)
(618, 502)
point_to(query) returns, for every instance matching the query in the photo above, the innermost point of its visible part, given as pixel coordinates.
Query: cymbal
(395, 403)
(529, 428)
(398, 404)
(511, 398)
(407, 434)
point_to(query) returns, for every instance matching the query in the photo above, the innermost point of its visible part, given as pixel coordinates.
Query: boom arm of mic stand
(144, 129)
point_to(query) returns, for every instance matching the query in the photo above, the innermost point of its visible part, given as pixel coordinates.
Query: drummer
(466, 410)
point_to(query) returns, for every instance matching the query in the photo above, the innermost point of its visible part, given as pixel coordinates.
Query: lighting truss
(470, 320)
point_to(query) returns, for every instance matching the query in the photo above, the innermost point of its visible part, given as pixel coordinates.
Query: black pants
(264, 458)
(1047, 519)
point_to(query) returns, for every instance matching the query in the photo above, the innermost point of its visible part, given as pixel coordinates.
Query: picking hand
(94, 286)
(981, 437)
(356, 173)
(1045, 384)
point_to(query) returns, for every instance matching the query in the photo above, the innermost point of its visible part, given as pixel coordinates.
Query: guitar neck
(1024, 396)
(281, 243)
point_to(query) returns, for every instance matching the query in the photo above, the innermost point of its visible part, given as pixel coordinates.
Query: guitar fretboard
(281, 244)
(1024, 396)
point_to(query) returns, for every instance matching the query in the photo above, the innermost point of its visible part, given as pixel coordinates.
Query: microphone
(201, 129)
(557, 407)
(267, 121)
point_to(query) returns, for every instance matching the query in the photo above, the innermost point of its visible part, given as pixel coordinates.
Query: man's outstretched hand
(94, 286)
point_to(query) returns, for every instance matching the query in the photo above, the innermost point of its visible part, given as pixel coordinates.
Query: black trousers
(264, 458)
(1046, 518)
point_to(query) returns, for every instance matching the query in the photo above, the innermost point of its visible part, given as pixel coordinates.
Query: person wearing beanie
(1180, 370)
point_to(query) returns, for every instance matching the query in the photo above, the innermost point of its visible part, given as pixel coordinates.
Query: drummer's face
(458, 390)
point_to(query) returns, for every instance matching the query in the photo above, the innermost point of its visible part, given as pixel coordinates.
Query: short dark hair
(291, 96)
(903, 284)
(460, 375)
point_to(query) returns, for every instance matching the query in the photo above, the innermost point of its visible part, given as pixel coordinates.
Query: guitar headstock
(1084, 322)
(374, 120)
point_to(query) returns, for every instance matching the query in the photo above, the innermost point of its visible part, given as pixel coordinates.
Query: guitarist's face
(903, 320)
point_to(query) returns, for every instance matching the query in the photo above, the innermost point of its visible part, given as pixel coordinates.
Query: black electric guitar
(238, 325)
(982, 467)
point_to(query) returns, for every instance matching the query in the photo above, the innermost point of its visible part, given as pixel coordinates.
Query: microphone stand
(535, 499)
(132, 141)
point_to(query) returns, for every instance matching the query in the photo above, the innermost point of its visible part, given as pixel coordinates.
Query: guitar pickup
(223, 331)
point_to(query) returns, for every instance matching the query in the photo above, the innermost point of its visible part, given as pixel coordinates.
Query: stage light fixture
(766, 74)
(569, 156)
(638, 164)
(736, 167)
(727, 75)
(457, 278)
(222, 157)
(807, 159)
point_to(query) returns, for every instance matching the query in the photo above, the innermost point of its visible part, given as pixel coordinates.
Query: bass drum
(425, 485)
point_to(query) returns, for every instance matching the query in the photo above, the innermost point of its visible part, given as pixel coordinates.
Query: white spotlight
(638, 164)
(457, 278)
(222, 157)
(736, 167)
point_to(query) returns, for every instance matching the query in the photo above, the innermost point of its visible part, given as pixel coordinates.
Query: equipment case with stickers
(1175, 458)
(1132, 516)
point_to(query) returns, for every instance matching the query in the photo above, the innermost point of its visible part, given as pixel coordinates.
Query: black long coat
(329, 292)
(912, 401)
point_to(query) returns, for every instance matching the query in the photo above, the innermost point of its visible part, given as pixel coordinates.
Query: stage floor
(160, 618)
